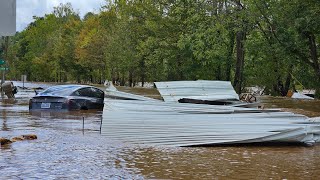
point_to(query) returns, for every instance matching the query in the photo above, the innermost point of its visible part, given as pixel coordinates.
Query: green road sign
(4, 69)
(2, 61)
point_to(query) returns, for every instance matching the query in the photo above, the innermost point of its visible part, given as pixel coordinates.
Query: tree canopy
(269, 43)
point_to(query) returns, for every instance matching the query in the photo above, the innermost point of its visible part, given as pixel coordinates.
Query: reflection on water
(67, 149)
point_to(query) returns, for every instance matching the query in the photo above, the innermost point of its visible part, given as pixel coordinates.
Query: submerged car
(68, 97)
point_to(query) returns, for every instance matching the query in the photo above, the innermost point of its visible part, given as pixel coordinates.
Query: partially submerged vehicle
(169, 123)
(68, 97)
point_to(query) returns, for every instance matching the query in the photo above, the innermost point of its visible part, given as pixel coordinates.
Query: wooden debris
(24, 137)
(30, 136)
(18, 138)
(4, 141)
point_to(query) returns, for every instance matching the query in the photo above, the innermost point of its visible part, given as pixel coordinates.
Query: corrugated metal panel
(172, 91)
(173, 124)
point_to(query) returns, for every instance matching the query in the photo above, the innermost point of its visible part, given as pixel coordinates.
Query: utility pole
(7, 28)
(6, 45)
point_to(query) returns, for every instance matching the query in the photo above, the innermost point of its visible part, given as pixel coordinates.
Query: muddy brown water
(66, 150)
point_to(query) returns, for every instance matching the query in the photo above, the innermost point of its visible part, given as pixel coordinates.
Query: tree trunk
(230, 56)
(60, 75)
(78, 79)
(238, 79)
(91, 78)
(113, 76)
(278, 87)
(218, 72)
(131, 78)
(143, 73)
(313, 52)
(288, 81)
(180, 69)
(315, 61)
(122, 83)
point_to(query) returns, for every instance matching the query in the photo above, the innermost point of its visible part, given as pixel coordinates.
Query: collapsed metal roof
(173, 91)
(174, 124)
(168, 123)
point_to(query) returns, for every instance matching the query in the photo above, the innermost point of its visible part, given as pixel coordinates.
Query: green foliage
(138, 41)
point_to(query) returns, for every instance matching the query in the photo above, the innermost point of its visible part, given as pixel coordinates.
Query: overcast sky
(28, 8)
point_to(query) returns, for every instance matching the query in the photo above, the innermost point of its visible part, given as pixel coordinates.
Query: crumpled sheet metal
(173, 91)
(175, 124)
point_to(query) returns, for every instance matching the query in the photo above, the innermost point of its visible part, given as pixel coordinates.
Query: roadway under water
(64, 149)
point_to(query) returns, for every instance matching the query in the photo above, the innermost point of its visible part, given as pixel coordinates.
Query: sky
(26, 9)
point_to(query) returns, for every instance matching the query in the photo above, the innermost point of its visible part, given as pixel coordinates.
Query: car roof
(62, 90)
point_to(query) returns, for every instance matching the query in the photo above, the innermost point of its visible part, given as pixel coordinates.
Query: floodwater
(67, 148)
(309, 108)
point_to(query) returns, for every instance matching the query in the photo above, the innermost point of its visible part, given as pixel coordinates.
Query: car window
(89, 92)
(97, 93)
(76, 93)
(83, 92)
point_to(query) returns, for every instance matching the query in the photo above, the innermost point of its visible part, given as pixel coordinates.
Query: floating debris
(24, 137)
(175, 124)
(4, 141)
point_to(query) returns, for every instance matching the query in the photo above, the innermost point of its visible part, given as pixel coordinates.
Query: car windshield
(59, 91)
